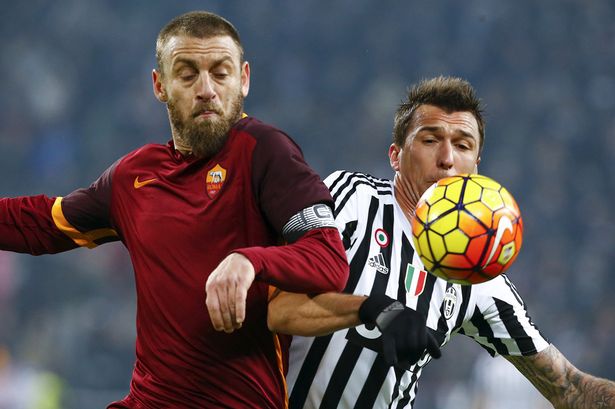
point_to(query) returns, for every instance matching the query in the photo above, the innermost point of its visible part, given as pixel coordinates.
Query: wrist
(379, 309)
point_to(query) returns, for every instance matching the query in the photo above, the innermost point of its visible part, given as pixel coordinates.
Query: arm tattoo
(563, 384)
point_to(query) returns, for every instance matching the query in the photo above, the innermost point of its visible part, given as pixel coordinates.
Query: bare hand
(226, 291)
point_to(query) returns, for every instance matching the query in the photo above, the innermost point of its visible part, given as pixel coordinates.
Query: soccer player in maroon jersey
(202, 218)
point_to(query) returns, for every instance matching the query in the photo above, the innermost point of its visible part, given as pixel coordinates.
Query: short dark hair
(449, 93)
(199, 24)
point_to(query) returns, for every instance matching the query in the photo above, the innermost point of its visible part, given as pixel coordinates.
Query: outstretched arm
(300, 314)
(562, 383)
(403, 332)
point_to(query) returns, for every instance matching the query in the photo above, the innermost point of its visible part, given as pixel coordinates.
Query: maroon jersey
(179, 217)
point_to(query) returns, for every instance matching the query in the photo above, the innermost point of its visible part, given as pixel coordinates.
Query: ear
(476, 165)
(159, 90)
(394, 152)
(245, 79)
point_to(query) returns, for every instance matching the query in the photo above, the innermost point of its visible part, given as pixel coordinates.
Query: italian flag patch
(415, 280)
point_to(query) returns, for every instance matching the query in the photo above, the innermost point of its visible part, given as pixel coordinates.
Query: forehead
(427, 116)
(182, 46)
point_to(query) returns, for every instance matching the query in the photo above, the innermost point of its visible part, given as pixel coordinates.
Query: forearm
(27, 226)
(564, 385)
(299, 314)
(315, 263)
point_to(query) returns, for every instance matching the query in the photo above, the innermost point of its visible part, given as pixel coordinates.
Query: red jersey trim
(81, 239)
(278, 353)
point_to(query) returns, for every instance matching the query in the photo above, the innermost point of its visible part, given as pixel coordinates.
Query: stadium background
(76, 95)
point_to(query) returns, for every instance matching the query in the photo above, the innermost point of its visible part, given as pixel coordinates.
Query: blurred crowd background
(76, 95)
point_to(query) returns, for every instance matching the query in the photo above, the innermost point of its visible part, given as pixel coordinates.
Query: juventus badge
(448, 305)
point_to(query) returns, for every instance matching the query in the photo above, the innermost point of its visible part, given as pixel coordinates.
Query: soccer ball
(467, 229)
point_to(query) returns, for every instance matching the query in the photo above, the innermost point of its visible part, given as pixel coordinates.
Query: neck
(405, 196)
(181, 145)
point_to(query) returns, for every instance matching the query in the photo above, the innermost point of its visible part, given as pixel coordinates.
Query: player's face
(203, 83)
(438, 144)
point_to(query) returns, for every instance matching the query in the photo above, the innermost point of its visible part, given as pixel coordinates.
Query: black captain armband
(313, 217)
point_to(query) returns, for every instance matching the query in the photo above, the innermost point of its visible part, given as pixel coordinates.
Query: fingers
(389, 350)
(226, 292)
(239, 307)
(213, 307)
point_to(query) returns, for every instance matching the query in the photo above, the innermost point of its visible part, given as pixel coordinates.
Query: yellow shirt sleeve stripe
(81, 239)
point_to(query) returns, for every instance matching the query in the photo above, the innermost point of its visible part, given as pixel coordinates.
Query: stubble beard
(207, 137)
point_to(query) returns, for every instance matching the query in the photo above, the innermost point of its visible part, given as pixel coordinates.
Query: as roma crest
(215, 179)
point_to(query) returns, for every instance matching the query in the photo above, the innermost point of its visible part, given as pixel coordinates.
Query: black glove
(405, 335)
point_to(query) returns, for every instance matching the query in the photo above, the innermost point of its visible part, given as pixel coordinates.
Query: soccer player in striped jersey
(201, 217)
(438, 132)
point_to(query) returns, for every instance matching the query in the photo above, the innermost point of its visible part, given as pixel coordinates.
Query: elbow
(277, 319)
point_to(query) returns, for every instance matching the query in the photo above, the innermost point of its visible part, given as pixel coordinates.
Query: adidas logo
(378, 263)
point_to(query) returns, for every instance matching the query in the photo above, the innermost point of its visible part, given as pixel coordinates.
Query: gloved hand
(405, 335)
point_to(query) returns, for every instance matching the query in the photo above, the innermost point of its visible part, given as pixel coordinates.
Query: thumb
(388, 350)
(433, 347)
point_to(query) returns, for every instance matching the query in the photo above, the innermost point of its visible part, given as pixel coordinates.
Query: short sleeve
(500, 322)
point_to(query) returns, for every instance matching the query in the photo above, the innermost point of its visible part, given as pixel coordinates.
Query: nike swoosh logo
(139, 185)
(503, 225)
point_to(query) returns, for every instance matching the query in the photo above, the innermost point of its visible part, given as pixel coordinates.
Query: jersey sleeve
(283, 182)
(45, 225)
(285, 185)
(499, 321)
(27, 226)
(346, 213)
(84, 215)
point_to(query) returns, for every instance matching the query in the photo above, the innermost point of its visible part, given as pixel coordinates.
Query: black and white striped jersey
(343, 370)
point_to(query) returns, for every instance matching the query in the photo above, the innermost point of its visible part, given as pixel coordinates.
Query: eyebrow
(439, 128)
(193, 64)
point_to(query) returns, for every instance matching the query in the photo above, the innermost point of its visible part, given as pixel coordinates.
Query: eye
(186, 74)
(220, 74)
(187, 77)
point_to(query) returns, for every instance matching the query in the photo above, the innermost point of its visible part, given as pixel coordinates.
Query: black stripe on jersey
(350, 355)
(371, 387)
(360, 258)
(381, 280)
(412, 386)
(340, 376)
(407, 252)
(398, 374)
(308, 371)
(349, 230)
(515, 329)
(465, 295)
(424, 299)
(518, 297)
(442, 329)
(319, 346)
(333, 186)
(358, 179)
(513, 289)
(484, 330)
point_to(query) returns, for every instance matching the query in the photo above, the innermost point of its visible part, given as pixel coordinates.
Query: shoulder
(343, 183)
(262, 133)
(500, 288)
(150, 153)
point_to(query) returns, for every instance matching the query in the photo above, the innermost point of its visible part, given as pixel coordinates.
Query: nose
(205, 90)
(445, 155)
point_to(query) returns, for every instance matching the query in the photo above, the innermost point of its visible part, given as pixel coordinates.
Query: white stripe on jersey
(331, 372)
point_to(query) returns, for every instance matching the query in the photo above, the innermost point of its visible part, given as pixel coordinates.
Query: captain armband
(314, 217)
